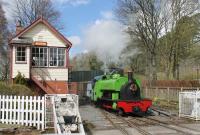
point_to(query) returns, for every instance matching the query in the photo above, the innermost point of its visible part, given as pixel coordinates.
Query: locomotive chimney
(130, 76)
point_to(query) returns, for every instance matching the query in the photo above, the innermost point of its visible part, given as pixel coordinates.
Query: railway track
(109, 116)
(135, 125)
(169, 125)
(135, 122)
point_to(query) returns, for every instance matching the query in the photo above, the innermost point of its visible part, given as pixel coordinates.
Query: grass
(15, 89)
(15, 129)
(169, 105)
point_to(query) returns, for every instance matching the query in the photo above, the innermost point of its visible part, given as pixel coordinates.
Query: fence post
(22, 111)
(43, 110)
(146, 92)
(168, 95)
(18, 110)
(31, 111)
(38, 112)
(7, 108)
(196, 108)
(156, 92)
(11, 109)
(27, 108)
(15, 109)
(179, 107)
(34, 111)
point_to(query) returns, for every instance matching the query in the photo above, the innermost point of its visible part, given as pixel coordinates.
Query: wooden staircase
(39, 84)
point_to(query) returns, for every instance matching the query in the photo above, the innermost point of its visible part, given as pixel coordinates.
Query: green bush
(15, 89)
(20, 79)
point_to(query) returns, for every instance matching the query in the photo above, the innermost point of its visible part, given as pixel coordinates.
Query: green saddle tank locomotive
(120, 93)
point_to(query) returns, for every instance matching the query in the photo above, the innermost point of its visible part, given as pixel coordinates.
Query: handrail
(41, 75)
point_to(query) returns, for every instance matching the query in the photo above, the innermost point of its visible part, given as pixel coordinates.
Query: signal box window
(21, 54)
(57, 57)
(39, 56)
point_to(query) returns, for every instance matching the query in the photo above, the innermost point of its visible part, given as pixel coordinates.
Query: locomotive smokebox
(130, 76)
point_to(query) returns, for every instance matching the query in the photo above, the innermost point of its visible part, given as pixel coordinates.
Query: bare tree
(3, 45)
(163, 30)
(179, 9)
(145, 23)
(27, 11)
(176, 13)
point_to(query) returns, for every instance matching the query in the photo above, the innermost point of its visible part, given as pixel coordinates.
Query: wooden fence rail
(24, 110)
(166, 93)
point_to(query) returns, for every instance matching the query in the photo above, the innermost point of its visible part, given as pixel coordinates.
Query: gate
(189, 104)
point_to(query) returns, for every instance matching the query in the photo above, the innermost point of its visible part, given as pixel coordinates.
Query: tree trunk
(153, 65)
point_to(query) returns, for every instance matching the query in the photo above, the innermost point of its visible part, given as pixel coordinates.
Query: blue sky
(77, 17)
(89, 24)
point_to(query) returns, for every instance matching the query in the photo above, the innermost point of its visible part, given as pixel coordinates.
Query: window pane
(23, 58)
(57, 56)
(41, 50)
(18, 49)
(39, 56)
(33, 50)
(45, 50)
(23, 49)
(20, 54)
(37, 50)
(23, 54)
(61, 63)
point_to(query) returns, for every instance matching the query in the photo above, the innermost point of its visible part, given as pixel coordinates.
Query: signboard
(40, 43)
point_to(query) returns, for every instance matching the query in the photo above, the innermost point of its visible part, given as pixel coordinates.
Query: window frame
(48, 57)
(47, 53)
(57, 61)
(20, 62)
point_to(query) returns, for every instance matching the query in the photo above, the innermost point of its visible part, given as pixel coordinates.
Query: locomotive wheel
(120, 112)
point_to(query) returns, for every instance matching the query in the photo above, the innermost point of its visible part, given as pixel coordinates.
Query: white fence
(189, 104)
(24, 110)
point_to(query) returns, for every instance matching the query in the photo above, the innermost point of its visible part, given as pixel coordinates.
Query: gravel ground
(97, 124)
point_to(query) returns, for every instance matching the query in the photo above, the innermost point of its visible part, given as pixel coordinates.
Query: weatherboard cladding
(23, 68)
(50, 74)
(48, 25)
(42, 33)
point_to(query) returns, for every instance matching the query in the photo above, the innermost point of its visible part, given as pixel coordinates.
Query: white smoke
(105, 37)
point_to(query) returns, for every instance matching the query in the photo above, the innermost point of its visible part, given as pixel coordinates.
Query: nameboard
(39, 43)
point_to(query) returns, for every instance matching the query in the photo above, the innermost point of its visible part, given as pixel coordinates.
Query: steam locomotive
(120, 93)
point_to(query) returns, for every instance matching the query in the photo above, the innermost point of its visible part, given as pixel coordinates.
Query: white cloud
(74, 2)
(107, 14)
(75, 40)
(85, 51)
(106, 38)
